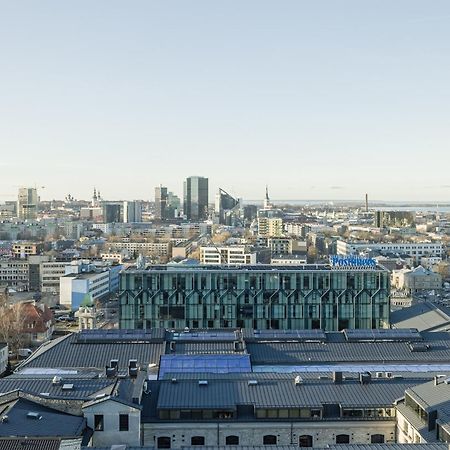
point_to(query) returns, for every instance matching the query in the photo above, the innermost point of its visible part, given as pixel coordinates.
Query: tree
(12, 322)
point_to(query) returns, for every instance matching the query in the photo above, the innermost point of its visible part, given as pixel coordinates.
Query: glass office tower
(260, 297)
(196, 198)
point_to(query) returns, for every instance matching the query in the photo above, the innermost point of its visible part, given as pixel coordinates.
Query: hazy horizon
(321, 100)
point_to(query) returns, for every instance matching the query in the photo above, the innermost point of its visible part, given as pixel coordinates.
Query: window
(377, 439)
(98, 422)
(232, 440)
(163, 442)
(269, 439)
(305, 441)
(198, 440)
(342, 439)
(123, 422)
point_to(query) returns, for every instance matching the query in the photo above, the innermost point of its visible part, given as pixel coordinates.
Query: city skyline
(321, 101)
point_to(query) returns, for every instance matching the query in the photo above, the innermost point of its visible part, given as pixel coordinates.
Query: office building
(83, 278)
(264, 297)
(132, 211)
(227, 208)
(161, 200)
(27, 204)
(112, 212)
(196, 198)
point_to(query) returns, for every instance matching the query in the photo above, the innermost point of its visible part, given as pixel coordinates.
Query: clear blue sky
(318, 99)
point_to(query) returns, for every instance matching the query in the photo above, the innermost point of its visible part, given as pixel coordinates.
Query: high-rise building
(161, 198)
(226, 207)
(132, 211)
(196, 198)
(27, 203)
(112, 212)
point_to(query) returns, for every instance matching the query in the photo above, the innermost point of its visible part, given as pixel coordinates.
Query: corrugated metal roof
(69, 353)
(277, 393)
(29, 444)
(354, 352)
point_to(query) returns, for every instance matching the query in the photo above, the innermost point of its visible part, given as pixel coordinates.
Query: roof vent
(4, 418)
(418, 347)
(45, 394)
(98, 396)
(56, 380)
(114, 363)
(252, 382)
(174, 381)
(34, 415)
(111, 372)
(388, 374)
(298, 380)
(67, 387)
(203, 382)
(378, 374)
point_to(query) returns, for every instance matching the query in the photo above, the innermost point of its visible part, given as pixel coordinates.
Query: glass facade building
(260, 297)
(196, 198)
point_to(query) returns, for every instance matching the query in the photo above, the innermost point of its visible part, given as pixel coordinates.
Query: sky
(318, 99)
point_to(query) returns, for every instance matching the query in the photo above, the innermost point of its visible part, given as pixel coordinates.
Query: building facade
(196, 198)
(27, 204)
(232, 255)
(261, 297)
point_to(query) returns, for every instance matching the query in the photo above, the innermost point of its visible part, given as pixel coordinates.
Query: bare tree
(12, 323)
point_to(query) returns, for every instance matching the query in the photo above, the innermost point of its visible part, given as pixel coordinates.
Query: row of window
(305, 440)
(99, 422)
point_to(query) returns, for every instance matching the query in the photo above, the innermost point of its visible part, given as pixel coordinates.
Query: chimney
(364, 378)
(337, 377)
(132, 368)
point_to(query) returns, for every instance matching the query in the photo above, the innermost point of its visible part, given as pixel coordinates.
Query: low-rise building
(232, 255)
(417, 279)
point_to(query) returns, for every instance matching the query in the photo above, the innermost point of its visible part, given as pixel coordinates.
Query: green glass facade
(267, 297)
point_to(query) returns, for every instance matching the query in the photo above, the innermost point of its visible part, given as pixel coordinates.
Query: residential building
(231, 255)
(37, 322)
(269, 226)
(23, 249)
(50, 274)
(196, 198)
(27, 204)
(262, 297)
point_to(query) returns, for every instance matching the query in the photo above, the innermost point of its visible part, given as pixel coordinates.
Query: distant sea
(385, 206)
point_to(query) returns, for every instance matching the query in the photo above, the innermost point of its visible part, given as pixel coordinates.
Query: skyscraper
(161, 197)
(226, 207)
(27, 203)
(196, 198)
(132, 211)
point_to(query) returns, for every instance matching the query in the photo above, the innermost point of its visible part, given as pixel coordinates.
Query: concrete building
(146, 248)
(270, 226)
(417, 250)
(417, 279)
(231, 255)
(27, 204)
(50, 274)
(84, 278)
(196, 198)
(262, 297)
(226, 208)
(14, 273)
(23, 249)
